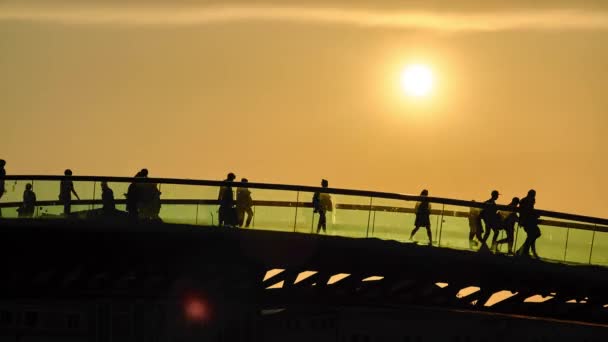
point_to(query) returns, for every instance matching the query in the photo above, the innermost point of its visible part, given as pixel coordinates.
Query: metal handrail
(303, 188)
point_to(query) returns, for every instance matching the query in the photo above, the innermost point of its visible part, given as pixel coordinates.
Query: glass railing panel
(579, 244)
(599, 254)
(12, 199)
(188, 204)
(47, 197)
(453, 227)
(392, 219)
(552, 242)
(350, 217)
(306, 221)
(273, 209)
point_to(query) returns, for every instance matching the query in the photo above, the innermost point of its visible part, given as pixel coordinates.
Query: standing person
(244, 202)
(509, 219)
(66, 190)
(489, 214)
(107, 199)
(475, 227)
(227, 214)
(2, 176)
(528, 218)
(28, 207)
(133, 197)
(423, 217)
(321, 203)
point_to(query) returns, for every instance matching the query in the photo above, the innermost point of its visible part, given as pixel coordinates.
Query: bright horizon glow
(417, 80)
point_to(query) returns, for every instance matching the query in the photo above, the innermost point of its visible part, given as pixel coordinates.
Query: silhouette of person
(2, 176)
(528, 218)
(244, 202)
(133, 197)
(107, 199)
(148, 198)
(28, 207)
(509, 219)
(321, 205)
(489, 214)
(475, 227)
(227, 214)
(423, 216)
(66, 190)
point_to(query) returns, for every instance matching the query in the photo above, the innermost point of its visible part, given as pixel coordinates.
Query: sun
(417, 80)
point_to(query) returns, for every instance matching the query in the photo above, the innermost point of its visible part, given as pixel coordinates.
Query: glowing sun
(417, 80)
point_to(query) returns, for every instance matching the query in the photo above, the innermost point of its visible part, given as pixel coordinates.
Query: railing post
(592, 242)
(369, 216)
(440, 227)
(295, 219)
(196, 219)
(374, 224)
(566, 246)
(93, 202)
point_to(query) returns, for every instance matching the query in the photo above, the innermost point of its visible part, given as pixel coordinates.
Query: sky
(295, 91)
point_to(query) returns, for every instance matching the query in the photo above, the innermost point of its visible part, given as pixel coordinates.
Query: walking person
(227, 213)
(475, 226)
(528, 218)
(28, 207)
(423, 214)
(244, 203)
(489, 214)
(509, 219)
(133, 196)
(321, 203)
(66, 190)
(2, 176)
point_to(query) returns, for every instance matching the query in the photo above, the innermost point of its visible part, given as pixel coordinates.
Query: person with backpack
(423, 217)
(28, 207)
(226, 211)
(321, 203)
(528, 218)
(244, 203)
(489, 215)
(509, 219)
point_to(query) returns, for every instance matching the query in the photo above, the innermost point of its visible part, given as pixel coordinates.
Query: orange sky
(290, 96)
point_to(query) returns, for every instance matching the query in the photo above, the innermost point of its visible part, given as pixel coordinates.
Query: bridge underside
(271, 271)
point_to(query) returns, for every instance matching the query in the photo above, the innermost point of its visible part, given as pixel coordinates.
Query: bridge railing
(360, 214)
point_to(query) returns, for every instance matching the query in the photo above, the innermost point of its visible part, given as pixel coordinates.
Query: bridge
(279, 265)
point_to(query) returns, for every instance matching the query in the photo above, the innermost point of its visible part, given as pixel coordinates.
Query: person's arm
(74, 192)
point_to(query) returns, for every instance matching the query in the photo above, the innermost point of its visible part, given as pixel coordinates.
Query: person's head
(67, 172)
(514, 201)
(244, 180)
(424, 192)
(532, 193)
(324, 183)
(2, 162)
(104, 185)
(495, 194)
(143, 173)
(230, 177)
(28, 186)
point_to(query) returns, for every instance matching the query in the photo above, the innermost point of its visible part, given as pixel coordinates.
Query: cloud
(538, 19)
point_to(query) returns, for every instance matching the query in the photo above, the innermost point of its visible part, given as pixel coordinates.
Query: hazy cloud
(452, 21)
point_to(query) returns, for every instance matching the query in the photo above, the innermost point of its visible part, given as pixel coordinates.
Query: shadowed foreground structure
(87, 281)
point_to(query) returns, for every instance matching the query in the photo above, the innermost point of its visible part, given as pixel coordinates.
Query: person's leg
(495, 237)
(486, 233)
(240, 216)
(321, 222)
(414, 232)
(67, 208)
(221, 216)
(249, 217)
(429, 234)
(533, 243)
